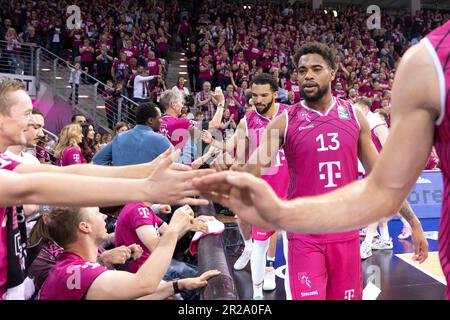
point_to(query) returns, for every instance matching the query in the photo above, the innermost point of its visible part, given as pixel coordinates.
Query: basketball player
(420, 106)
(322, 137)
(246, 139)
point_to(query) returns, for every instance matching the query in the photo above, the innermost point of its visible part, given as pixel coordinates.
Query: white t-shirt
(24, 157)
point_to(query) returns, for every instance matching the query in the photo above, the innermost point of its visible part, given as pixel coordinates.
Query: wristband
(176, 289)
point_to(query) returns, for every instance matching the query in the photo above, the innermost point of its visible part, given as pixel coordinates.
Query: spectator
(67, 151)
(104, 64)
(184, 92)
(80, 231)
(119, 128)
(232, 103)
(78, 119)
(87, 145)
(141, 86)
(74, 81)
(137, 223)
(87, 58)
(138, 145)
(193, 67)
(205, 101)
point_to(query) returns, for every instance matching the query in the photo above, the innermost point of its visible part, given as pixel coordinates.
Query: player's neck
(321, 105)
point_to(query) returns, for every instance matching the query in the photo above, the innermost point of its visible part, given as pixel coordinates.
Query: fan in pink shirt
(67, 151)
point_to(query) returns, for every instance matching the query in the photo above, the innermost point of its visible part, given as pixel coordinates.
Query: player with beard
(246, 140)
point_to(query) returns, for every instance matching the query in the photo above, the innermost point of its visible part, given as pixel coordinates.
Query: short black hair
(77, 115)
(145, 111)
(265, 78)
(319, 48)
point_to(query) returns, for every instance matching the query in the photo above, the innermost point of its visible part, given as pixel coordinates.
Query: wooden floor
(399, 278)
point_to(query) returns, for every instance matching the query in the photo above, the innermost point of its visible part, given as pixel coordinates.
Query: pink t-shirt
(295, 88)
(132, 216)
(70, 279)
(71, 155)
(5, 164)
(153, 66)
(176, 129)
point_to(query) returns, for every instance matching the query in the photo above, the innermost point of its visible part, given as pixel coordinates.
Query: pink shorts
(260, 234)
(324, 271)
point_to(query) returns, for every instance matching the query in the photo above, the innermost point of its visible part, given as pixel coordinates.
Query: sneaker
(258, 298)
(269, 279)
(363, 232)
(365, 250)
(243, 260)
(406, 233)
(381, 244)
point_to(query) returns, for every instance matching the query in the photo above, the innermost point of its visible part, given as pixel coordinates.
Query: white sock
(248, 244)
(384, 231)
(258, 266)
(405, 223)
(371, 232)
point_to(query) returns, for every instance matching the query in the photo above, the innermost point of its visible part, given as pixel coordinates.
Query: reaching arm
(271, 140)
(130, 172)
(415, 101)
(164, 185)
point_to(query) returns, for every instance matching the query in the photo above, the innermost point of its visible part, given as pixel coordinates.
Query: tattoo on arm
(407, 213)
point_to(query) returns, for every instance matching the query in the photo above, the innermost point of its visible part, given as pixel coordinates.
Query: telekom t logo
(329, 174)
(144, 212)
(349, 294)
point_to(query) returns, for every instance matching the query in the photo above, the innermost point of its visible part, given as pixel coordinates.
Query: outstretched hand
(172, 186)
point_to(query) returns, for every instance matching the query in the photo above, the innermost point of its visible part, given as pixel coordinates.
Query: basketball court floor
(388, 274)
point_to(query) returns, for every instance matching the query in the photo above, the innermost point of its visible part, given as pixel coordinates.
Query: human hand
(198, 282)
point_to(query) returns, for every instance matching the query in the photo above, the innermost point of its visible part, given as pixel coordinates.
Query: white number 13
(332, 145)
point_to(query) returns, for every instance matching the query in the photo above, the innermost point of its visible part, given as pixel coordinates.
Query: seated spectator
(137, 223)
(67, 151)
(80, 231)
(48, 251)
(87, 145)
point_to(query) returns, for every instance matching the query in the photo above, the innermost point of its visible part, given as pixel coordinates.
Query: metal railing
(90, 97)
(18, 58)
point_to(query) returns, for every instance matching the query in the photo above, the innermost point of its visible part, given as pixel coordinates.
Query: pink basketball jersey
(322, 154)
(277, 174)
(438, 44)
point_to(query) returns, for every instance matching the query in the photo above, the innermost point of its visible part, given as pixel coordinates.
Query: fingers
(180, 167)
(209, 274)
(193, 202)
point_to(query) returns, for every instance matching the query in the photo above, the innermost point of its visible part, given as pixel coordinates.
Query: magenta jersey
(375, 121)
(322, 154)
(70, 278)
(70, 155)
(437, 43)
(277, 175)
(132, 216)
(6, 164)
(176, 129)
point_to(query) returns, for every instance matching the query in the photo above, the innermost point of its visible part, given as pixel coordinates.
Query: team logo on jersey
(305, 116)
(343, 112)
